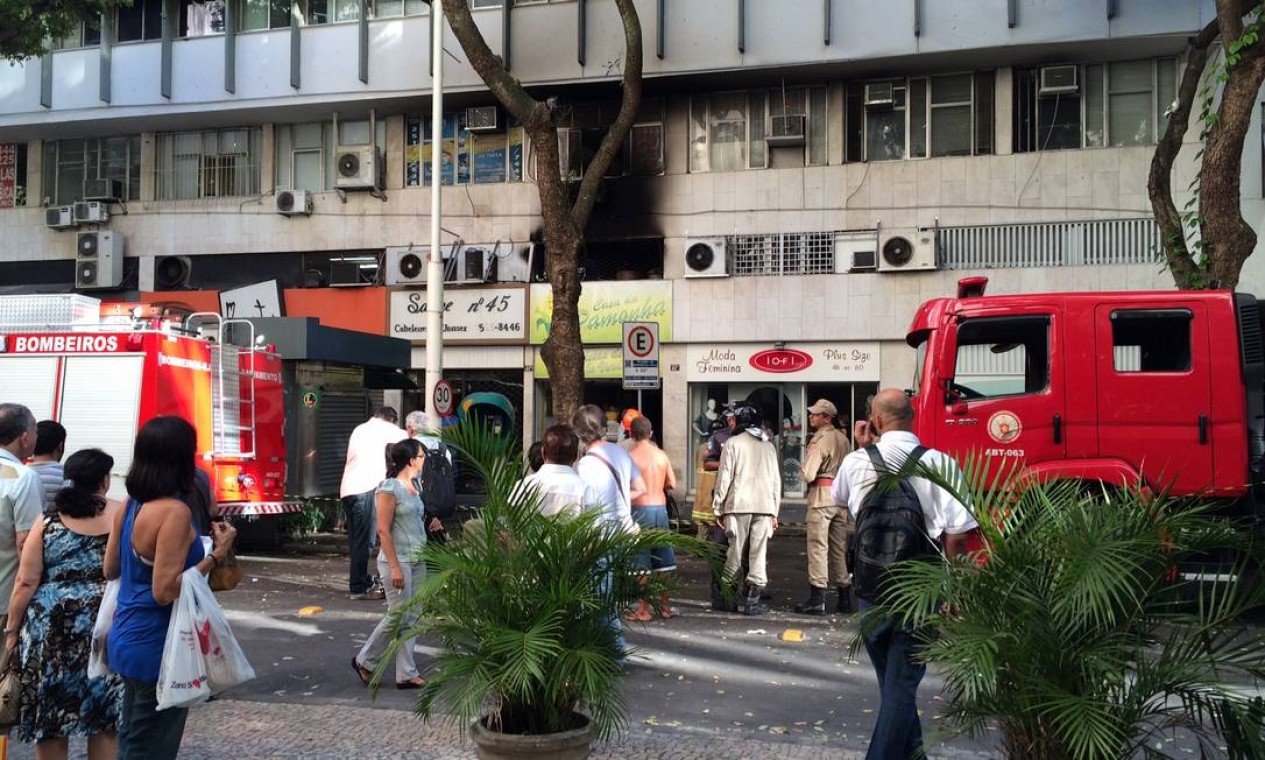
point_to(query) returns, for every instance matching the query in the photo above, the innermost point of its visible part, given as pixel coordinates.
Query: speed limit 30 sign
(443, 398)
(641, 355)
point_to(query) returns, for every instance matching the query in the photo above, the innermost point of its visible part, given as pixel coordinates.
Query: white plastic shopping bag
(98, 666)
(182, 679)
(226, 665)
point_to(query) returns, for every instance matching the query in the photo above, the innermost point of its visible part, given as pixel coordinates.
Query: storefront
(781, 380)
(604, 308)
(485, 337)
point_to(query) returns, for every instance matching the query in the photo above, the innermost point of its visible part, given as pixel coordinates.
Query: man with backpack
(892, 525)
(437, 482)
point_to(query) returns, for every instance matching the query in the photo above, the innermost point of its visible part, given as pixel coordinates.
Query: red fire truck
(104, 381)
(1165, 387)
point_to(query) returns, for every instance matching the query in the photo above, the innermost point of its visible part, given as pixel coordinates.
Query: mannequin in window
(703, 422)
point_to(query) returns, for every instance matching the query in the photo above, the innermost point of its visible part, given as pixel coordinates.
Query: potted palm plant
(522, 607)
(1074, 636)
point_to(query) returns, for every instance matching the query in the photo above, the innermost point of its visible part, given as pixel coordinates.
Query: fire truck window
(1003, 356)
(1151, 340)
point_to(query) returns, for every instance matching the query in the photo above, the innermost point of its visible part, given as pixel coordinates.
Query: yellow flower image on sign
(605, 307)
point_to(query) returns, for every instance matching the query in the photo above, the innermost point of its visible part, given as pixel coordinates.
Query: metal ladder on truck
(233, 414)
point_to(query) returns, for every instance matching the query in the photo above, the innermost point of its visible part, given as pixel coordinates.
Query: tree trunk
(1229, 240)
(1159, 185)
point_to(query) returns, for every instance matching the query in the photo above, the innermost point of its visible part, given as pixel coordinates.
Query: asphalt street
(701, 685)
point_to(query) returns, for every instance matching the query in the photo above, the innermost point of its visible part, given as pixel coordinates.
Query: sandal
(364, 673)
(412, 683)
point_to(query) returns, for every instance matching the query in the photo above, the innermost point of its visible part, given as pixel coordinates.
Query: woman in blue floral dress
(54, 605)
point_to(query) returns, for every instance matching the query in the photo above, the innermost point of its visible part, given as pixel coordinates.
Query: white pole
(435, 261)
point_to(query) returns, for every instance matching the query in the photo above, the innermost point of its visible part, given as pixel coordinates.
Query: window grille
(781, 253)
(1051, 244)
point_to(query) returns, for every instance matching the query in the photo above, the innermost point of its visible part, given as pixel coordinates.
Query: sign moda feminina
(808, 362)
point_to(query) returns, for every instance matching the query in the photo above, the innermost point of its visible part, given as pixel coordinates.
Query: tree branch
(1160, 181)
(630, 102)
(490, 68)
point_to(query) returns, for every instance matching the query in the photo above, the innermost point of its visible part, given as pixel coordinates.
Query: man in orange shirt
(650, 510)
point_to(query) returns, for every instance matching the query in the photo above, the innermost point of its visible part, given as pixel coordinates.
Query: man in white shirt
(889, 642)
(557, 487)
(21, 497)
(366, 469)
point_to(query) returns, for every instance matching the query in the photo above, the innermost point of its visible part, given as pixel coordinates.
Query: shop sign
(804, 362)
(605, 307)
(471, 315)
(781, 360)
(8, 174)
(600, 363)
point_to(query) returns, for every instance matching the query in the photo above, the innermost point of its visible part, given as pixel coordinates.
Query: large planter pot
(565, 745)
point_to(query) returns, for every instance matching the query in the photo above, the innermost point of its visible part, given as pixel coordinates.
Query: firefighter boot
(816, 604)
(845, 606)
(754, 605)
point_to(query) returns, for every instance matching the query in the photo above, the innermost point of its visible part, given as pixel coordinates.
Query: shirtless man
(650, 510)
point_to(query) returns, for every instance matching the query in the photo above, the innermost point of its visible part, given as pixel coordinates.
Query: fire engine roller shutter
(340, 413)
(29, 380)
(101, 398)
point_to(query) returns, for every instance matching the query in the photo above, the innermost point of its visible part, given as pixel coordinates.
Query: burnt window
(1151, 340)
(1003, 356)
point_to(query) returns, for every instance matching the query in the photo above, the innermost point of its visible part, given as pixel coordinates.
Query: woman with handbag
(54, 604)
(402, 528)
(153, 542)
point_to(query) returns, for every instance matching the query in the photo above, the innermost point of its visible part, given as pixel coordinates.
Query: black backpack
(436, 483)
(891, 528)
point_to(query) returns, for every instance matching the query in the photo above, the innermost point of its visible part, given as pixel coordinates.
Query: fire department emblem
(1004, 427)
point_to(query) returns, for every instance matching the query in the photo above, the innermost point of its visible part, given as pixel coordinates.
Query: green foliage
(1074, 639)
(310, 520)
(27, 25)
(521, 606)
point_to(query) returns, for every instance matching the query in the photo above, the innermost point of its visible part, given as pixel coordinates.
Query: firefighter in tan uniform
(829, 525)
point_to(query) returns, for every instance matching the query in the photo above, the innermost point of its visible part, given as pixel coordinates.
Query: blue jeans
(362, 523)
(612, 621)
(892, 649)
(144, 732)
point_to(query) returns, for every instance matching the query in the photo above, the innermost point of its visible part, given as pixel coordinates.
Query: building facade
(801, 175)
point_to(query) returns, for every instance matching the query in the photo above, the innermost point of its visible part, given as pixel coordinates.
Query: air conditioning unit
(909, 250)
(353, 271)
(1056, 80)
(706, 257)
(880, 95)
(357, 167)
(98, 260)
(91, 212)
(471, 264)
(786, 131)
(856, 251)
(59, 217)
(406, 266)
(163, 272)
(513, 262)
(484, 119)
(293, 202)
(104, 190)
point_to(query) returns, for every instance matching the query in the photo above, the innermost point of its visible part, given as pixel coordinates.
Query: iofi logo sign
(780, 360)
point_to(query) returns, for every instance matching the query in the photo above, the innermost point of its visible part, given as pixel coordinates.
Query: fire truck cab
(1162, 387)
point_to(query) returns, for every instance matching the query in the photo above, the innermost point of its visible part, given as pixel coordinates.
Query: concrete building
(802, 174)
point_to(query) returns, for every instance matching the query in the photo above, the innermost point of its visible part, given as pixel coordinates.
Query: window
(395, 8)
(264, 14)
(1151, 340)
(727, 130)
(1002, 356)
(211, 164)
(466, 157)
(12, 175)
(332, 11)
(305, 152)
(582, 128)
(1120, 103)
(200, 18)
(142, 20)
(889, 120)
(68, 164)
